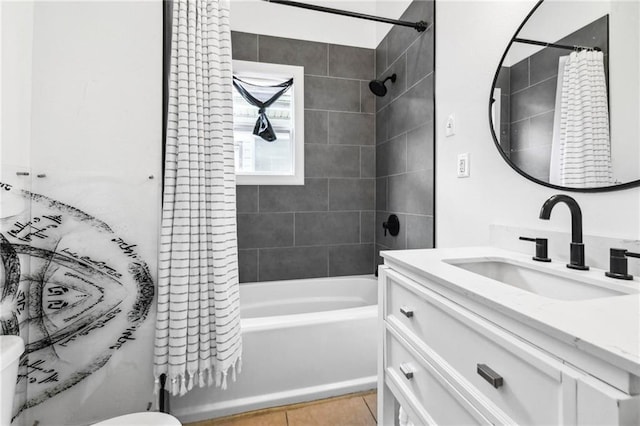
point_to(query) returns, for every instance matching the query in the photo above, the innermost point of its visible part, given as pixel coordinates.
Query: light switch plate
(450, 126)
(463, 165)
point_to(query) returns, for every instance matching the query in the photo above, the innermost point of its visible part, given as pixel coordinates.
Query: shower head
(378, 88)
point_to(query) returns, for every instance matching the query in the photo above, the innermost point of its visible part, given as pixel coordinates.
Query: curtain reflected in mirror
(565, 101)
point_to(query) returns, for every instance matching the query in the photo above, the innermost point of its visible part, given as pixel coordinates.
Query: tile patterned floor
(349, 410)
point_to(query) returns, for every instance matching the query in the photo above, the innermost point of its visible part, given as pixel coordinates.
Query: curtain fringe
(184, 382)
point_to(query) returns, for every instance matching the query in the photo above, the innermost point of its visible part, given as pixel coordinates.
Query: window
(259, 162)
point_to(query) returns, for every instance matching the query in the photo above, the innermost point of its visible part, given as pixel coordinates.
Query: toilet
(11, 347)
(146, 418)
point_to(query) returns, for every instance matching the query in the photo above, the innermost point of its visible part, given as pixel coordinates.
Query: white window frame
(259, 69)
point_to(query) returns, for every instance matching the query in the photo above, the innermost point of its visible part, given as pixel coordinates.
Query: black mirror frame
(618, 187)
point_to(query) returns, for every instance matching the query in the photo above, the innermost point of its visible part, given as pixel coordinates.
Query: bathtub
(302, 340)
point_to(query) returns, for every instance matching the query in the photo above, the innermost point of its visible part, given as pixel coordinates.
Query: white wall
(258, 17)
(470, 39)
(16, 48)
(624, 89)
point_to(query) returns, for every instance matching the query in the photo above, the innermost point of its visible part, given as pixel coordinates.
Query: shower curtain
(198, 337)
(581, 152)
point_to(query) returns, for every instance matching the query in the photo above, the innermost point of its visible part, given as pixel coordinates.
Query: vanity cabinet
(446, 363)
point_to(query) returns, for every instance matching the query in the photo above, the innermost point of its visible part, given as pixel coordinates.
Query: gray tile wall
(532, 85)
(324, 228)
(404, 133)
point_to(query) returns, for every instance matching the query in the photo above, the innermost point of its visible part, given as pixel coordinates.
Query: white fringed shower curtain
(198, 325)
(583, 140)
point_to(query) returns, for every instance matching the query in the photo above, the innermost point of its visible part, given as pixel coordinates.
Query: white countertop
(608, 328)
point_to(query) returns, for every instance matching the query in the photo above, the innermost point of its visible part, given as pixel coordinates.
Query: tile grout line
(369, 408)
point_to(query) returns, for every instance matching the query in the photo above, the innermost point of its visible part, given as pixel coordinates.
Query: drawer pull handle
(407, 371)
(490, 376)
(406, 311)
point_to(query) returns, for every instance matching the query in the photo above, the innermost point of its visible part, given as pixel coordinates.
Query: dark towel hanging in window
(263, 126)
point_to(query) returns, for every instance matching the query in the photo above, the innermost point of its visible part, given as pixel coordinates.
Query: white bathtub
(302, 340)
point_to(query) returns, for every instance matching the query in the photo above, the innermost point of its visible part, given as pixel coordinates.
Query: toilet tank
(11, 347)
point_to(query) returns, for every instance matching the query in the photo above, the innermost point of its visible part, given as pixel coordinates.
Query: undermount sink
(563, 285)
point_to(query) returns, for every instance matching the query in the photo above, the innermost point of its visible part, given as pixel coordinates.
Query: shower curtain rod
(418, 26)
(558, 46)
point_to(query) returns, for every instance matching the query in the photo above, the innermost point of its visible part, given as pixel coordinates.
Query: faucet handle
(392, 225)
(541, 248)
(618, 264)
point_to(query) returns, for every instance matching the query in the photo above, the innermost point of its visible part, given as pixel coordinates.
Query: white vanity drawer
(430, 395)
(532, 390)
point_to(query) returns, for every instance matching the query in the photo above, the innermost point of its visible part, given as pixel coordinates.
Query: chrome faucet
(576, 258)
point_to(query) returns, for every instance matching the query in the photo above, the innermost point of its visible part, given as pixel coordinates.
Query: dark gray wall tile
(332, 161)
(544, 64)
(316, 126)
(505, 108)
(505, 137)
(404, 133)
(309, 54)
(399, 68)
(520, 75)
(367, 161)
(351, 62)
(367, 98)
(367, 224)
(293, 263)
(420, 148)
(420, 10)
(312, 196)
(541, 129)
(381, 57)
(246, 198)
(419, 231)
(351, 260)
(519, 135)
(594, 34)
(244, 46)
(411, 193)
(391, 157)
(335, 94)
(382, 125)
(327, 228)
(412, 109)
(401, 37)
(504, 80)
(270, 247)
(351, 194)
(534, 161)
(257, 230)
(420, 58)
(534, 100)
(381, 193)
(348, 128)
(389, 241)
(248, 265)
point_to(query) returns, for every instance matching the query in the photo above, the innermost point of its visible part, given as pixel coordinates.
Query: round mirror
(565, 101)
